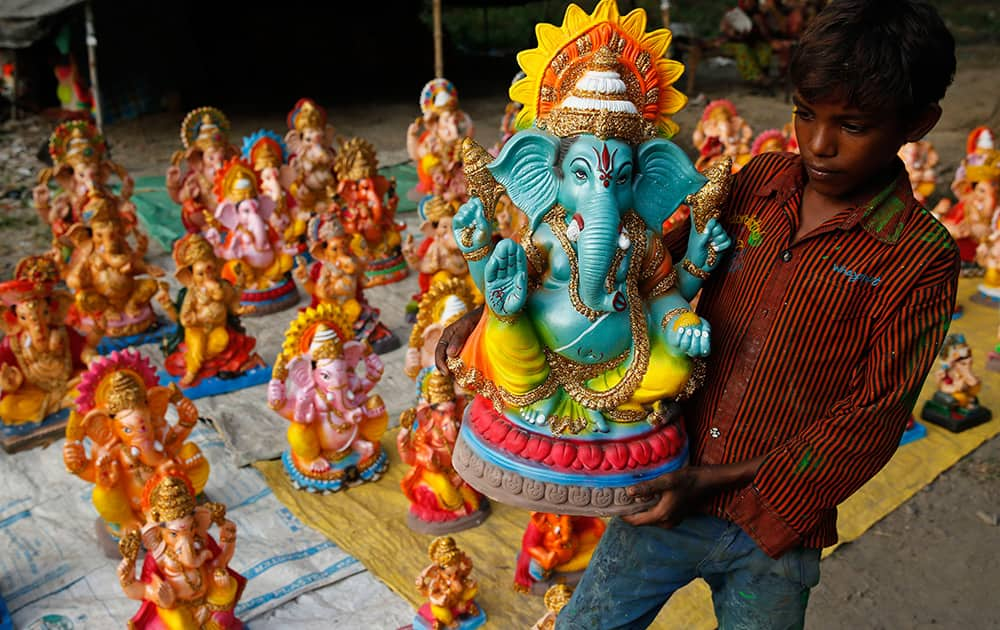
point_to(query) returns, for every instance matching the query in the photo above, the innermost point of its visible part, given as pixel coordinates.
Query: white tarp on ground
(52, 570)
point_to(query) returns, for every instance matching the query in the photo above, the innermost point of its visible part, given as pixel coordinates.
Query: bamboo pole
(438, 41)
(92, 63)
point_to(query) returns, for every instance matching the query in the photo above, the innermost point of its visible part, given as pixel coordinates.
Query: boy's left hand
(678, 491)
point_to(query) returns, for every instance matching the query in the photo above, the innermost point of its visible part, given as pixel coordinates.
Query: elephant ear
(526, 168)
(226, 214)
(666, 176)
(354, 352)
(300, 372)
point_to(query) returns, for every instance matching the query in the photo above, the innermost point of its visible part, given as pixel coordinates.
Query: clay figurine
(121, 418)
(449, 588)
(434, 142)
(266, 152)
(555, 549)
(310, 139)
(243, 234)
(769, 140)
(367, 205)
(112, 286)
(988, 250)
(555, 600)
(588, 337)
(210, 353)
(955, 405)
(920, 160)
(185, 582)
(440, 501)
(41, 358)
(507, 124)
(80, 163)
(337, 277)
(441, 306)
(438, 257)
(722, 132)
(205, 137)
(335, 422)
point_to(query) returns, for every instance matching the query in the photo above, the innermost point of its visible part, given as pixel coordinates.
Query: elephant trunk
(596, 245)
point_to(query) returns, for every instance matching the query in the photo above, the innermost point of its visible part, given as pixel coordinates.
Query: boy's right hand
(453, 339)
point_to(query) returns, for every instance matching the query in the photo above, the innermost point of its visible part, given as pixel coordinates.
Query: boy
(826, 318)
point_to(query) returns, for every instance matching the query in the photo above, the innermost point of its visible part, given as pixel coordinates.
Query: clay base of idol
(944, 411)
(346, 472)
(159, 328)
(386, 270)
(425, 620)
(279, 297)
(914, 431)
(27, 435)
(972, 270)
(987, 296)
(450, 526)
(535, 471)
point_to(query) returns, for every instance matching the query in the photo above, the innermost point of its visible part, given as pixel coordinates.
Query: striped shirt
(819, 349)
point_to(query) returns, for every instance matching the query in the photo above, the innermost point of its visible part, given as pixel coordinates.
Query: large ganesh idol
(367, 207)
(434, 142)
(337, 277)
(112, 285)
(247, 235)
(41, 358)
(266, 152)
(121, 417)
(335, 421)
(80, 164)
(205, 137)
(185, 582)
(310, 137)
(588, 335)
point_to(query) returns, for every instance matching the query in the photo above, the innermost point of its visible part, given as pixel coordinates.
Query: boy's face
(846, 150)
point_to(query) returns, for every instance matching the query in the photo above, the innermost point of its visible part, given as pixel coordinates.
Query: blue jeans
(635, 570)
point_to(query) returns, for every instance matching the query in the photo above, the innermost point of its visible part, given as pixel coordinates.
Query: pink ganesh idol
(335, 420)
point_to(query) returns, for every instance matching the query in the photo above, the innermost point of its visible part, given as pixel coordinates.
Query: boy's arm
(812, 473)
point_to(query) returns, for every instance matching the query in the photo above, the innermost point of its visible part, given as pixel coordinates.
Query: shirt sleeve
(808, 476)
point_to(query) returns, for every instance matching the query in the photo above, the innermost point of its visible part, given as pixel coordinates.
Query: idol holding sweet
(587, 329)
(335, 421)
(186, 582)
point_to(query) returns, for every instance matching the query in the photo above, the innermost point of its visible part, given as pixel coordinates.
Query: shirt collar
(883, 216)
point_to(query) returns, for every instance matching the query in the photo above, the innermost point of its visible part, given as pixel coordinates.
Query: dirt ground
(933, 562)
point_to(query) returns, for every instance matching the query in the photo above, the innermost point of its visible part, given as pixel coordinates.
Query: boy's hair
(877, 54)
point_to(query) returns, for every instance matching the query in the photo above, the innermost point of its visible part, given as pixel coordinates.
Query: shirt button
(764, 312)
(714, 432)
(786, 255)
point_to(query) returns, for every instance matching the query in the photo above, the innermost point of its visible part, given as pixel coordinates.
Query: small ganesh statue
(920, 160)
(434, 142)
(588, 328)
(41, 358)
(438, 257)
(441, 502)
(310, 139)
(337, 277)
(335, 421)
(367, 204)
(449, 588)
(266, 152)
(955, 405)
(769, 140)
(555, 549)
(508, 122)
(80, 164)
(121, 414)
(722, 132)
(440, 307)
(112, 284)
(246, 236)
(205, 137)
(210, 353)
(185, 582)
(969, 220)
(555, 600)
